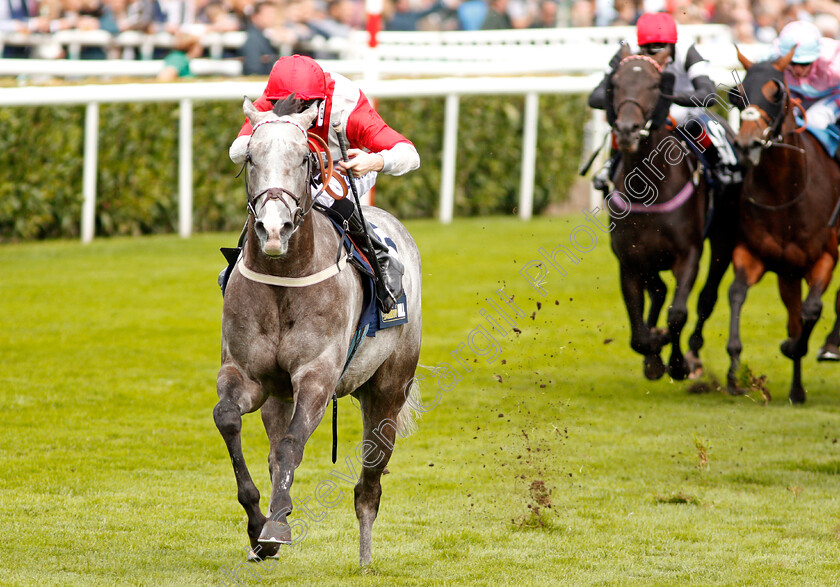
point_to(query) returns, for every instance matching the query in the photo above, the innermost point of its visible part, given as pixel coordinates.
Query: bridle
(313, 161)
(773, 136)
(647, 116)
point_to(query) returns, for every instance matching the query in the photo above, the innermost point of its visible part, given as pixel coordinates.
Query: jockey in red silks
(373, 147)
(694, 93)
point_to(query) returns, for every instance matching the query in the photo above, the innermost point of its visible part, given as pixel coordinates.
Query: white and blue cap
(803, 35)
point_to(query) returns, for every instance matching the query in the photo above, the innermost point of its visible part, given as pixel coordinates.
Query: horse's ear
(782, 62)
(662, 58)
(625, 51)
(308, 116)
(744, 61)
(249, 109)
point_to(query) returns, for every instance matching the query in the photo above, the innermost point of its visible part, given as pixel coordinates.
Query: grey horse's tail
(407, 418)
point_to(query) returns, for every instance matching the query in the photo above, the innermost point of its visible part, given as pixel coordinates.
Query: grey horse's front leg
(238, 396)
(276, 416)
(313, 387)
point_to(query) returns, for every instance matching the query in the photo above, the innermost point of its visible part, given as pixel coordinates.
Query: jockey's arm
(598, 97)
(366, 130)
(697, 69)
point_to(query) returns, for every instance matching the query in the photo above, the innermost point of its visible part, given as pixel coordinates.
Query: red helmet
(298, 74)
(656, 27)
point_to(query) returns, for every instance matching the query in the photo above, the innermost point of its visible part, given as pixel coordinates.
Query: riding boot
(602, 180)
(389, 288)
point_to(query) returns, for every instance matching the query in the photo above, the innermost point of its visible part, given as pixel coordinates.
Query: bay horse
(666, 230)
(291, 309)
(790, 190)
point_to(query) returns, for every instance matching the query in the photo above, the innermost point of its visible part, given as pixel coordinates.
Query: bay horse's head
(279, 170)
(635, 93)
(764, 102)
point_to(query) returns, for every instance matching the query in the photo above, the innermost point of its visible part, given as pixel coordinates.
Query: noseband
(316, 145)
(773, 131)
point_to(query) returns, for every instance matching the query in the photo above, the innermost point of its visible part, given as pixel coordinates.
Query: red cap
(656, 27)
(298, 74)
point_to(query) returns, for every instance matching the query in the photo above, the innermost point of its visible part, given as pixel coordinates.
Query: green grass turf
(113, 472)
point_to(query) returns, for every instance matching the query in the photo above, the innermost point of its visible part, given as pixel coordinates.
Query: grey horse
(287, 328)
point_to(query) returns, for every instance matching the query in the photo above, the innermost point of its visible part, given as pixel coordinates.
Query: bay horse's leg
(641, 339)
(658, 291)
(313, 387)
(830, 350)
(239, 395)
(790, 290)
(276, 415)
(685, 272)
(818, 279)
(721, 243)
(748, 270)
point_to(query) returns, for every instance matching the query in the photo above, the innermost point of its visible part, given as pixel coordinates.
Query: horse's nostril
(259, 225)
(287, 226)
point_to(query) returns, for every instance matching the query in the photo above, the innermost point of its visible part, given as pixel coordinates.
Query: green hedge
(41, 158)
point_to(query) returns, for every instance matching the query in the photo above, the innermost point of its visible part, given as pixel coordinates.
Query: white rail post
(89, 171)
(185, 168)
(529, 156)
(599, 129)
(450, 150)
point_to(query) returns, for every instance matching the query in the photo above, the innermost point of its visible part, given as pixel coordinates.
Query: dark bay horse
(660, 211)
(790, 190)
(290, 311)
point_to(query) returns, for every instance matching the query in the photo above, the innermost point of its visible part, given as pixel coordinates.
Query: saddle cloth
(372, 317)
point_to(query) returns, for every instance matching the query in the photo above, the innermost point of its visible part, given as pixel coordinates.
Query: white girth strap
(292, 281)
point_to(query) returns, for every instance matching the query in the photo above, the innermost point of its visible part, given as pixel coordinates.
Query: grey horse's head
(278, 174)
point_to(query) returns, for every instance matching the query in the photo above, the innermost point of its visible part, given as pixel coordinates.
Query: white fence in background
(567, 61)
(450, 88)
(398, 54)
(476, 46)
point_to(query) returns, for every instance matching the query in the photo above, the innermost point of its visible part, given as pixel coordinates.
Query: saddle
(372, 315)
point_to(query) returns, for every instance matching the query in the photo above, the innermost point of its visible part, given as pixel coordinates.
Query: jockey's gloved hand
(361, 163)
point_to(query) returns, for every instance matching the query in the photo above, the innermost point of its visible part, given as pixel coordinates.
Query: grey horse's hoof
(829, 352)
(274, 534)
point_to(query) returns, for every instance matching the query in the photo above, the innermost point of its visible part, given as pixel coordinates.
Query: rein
(774, 127)
(649, 117)
(316, 146)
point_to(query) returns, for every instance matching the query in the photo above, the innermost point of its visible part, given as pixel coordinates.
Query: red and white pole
(373, 10)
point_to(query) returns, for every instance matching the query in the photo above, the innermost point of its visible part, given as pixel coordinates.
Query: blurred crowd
(277, 26)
